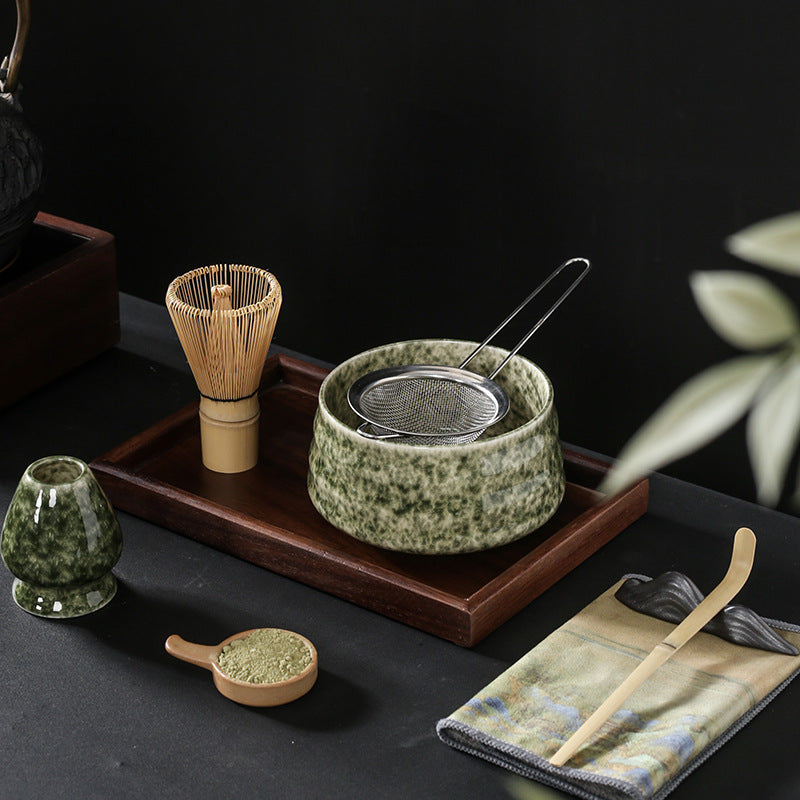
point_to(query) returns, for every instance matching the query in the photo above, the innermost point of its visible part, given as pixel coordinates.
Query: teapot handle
(14, 62)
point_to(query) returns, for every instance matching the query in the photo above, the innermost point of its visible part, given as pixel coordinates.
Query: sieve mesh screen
(429, 407)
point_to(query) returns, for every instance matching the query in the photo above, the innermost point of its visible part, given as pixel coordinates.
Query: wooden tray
(265, 516)
(59, 304)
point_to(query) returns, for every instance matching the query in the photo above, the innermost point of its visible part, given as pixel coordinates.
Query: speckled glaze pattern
(60, 540)
(445, 499)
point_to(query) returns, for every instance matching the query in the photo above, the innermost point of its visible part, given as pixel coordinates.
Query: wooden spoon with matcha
(259, 667)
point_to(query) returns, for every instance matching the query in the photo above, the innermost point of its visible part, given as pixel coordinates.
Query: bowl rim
(479, 444)
(83, 469)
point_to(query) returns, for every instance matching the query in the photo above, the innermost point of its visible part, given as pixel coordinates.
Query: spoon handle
(201, 655)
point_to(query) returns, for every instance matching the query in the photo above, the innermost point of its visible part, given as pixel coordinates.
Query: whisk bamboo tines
(225, 316)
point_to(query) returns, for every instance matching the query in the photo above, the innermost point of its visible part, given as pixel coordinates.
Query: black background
(412, 169)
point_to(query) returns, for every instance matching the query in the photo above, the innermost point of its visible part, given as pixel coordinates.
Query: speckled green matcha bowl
(60, 540)
(445, 499)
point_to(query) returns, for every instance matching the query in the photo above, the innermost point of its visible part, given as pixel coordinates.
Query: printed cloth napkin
(670, 724)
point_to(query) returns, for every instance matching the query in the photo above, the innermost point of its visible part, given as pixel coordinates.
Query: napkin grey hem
(529, 765)
(523, 762)
(577, 782)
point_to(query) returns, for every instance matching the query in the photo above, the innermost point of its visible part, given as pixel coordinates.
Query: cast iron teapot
(21, 159)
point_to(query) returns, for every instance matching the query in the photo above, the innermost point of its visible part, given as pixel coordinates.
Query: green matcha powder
(267, 655)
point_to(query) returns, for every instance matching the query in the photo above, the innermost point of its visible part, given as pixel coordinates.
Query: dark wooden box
(59, 304)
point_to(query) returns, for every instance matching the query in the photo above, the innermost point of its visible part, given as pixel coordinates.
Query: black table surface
(95, 708)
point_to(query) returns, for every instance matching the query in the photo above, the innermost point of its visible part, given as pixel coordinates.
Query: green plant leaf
(773, 243)
(744, 309)
(772, 431)
(696, 413)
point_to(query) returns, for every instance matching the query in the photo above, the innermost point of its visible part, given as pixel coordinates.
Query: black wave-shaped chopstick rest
(672, 596)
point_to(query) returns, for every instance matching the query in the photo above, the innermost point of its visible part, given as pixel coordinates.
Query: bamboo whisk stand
(225, 316)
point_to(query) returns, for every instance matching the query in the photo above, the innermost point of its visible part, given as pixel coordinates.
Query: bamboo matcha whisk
(225, 316)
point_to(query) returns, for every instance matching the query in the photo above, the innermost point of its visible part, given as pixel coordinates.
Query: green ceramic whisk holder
(60, 540)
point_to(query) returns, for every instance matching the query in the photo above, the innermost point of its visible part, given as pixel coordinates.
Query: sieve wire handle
(586, 267)
(364, 430)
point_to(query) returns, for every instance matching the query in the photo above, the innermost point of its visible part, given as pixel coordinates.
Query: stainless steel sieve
(426, 404)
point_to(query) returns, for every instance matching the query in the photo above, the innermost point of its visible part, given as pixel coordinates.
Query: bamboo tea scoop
(244, 692)
(744, 547)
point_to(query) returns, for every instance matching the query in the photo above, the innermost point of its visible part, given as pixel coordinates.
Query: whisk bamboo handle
(229, 433)
(228, 428)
